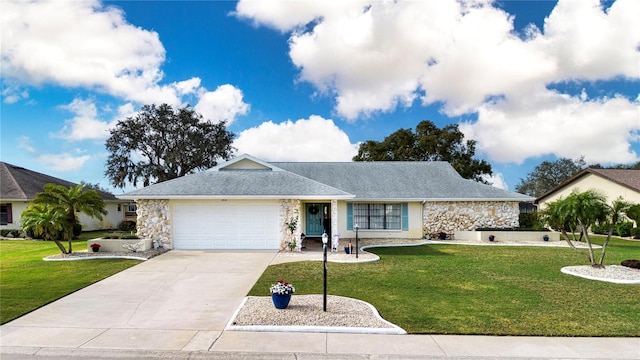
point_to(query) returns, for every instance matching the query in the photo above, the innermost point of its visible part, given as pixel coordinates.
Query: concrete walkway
(176, 306)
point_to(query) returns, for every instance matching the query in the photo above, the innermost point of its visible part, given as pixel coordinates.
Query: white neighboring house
(611, 182)
(19, 186)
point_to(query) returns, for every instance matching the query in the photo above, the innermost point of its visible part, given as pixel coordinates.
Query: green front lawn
(27, 282)
(491, 290)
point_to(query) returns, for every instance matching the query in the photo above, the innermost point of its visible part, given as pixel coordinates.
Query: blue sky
(307, 81)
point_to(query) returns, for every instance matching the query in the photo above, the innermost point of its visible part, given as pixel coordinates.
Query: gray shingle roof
(315, 180)
(17, 183)
(411, 180)
(239, 183)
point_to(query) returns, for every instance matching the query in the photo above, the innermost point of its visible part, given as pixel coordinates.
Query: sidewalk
(301, 346)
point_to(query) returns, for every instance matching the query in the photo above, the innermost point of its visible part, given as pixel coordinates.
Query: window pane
(4, 215)
(394, 215)
(361, 215)
(376, 216)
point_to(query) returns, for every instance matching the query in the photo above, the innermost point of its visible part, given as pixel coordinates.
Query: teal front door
(318, 219)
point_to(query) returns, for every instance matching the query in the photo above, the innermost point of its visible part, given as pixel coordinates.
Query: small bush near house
(120, 236)
(636, 233)
(624, 229)
(127, 225)
(77, 230)
(530, 222)
(600, 228)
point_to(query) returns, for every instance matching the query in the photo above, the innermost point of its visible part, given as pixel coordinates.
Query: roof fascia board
(245, 157)
(234, 197)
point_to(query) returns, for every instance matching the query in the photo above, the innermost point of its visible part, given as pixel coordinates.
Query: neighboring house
(611, 182)
(19, 186)
(246, 203)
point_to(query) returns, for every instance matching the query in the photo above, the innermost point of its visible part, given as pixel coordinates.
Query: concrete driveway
(181, 300)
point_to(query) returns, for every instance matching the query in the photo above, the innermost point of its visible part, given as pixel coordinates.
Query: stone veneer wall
(448, 216)
(289, 209)
(154, 222)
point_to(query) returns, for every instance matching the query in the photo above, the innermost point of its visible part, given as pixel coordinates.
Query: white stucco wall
(110, 221)
(414, 232)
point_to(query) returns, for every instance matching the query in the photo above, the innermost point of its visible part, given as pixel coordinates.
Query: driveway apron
(177, 301)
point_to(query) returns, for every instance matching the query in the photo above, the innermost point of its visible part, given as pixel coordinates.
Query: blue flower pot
(280, 301)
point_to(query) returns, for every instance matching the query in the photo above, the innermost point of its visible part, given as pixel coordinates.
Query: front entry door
(318, 219)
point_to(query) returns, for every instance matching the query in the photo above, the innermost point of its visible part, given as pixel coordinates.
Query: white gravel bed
(612, 273)
(305, 313)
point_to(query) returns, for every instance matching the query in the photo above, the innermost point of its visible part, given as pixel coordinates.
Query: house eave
(235, 197)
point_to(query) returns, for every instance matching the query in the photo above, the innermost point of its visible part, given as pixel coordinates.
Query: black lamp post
(325, 239)
(357, 247)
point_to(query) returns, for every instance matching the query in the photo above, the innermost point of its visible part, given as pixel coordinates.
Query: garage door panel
(226, 225)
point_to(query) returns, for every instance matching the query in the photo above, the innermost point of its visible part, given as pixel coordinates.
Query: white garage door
(229, 224)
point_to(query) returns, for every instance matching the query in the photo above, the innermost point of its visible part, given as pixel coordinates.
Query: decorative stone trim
(154, 222)
(289, 213)
(448, 216)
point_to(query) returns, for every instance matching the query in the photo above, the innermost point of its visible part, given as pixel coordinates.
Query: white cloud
(223, 104)
(84, 125)
(62, 162)
(312, 139)
(552, 123)
(84, 44)
(24, 143)
(78, 44)
(496, 180)
(463, 55)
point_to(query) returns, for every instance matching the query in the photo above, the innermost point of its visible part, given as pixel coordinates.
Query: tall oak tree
(160, 143)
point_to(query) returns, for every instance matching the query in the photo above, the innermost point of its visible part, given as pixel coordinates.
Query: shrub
(127, 225)
(600, 228)
(530, 221)
(129, 236)
(624, 229)
(4, 232)
(636, 233)
(77, 230)
(15, 233)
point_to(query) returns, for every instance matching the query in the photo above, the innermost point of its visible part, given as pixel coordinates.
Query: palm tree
(47, 222)
(618, 208)
(71, 200)
(581, 210)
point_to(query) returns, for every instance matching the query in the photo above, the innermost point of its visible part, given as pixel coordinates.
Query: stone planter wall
(154, 222)
(449, 216)
(507, 236)
(115, 245)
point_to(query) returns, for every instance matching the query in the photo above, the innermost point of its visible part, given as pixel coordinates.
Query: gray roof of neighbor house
(321, 180)
(625, 177)
(399, 180)
(18, 183)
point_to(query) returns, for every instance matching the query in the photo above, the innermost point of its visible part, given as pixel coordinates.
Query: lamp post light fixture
(357, 227)
(325, 239)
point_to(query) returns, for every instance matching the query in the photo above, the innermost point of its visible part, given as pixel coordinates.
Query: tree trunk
(60, 246)
(568, 240)
(592, 257)
(604, 247)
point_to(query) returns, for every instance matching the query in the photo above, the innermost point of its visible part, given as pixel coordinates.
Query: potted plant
(281, 294)
(545, 238)
(95, 247)
(492, 237)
